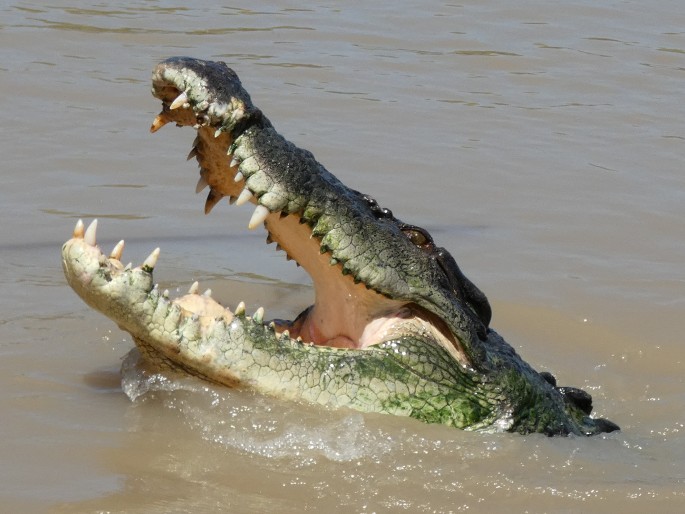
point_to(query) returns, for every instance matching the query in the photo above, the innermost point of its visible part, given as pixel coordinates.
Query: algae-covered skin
(395, 327)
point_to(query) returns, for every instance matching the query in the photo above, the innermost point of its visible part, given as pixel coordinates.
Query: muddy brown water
(542, 144)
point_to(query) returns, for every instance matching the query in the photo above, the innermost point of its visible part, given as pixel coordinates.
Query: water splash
(252, 423)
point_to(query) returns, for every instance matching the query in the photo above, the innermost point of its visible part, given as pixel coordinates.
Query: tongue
(311, 332)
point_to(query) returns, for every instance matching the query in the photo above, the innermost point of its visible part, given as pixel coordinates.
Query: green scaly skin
(468, 377)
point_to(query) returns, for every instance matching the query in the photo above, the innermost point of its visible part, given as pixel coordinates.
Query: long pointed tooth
(259, 315)
(192, 153)
(201, 184)
(207, 293)
(212, 199)
(258, 216)
(218, 132)
(78, 230)
(89, 236)
(234, 162)
(194, 288)
(238, 177)
(240, 309)
(117, 251)
(244, 197)
(161, 120)
(180, 100)
(151, 260)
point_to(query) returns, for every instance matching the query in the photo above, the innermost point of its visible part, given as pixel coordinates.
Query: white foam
(253, 423)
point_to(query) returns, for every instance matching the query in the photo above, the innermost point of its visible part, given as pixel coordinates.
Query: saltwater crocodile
(395, 327)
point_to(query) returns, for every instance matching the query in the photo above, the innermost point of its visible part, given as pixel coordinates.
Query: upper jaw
(233, 137)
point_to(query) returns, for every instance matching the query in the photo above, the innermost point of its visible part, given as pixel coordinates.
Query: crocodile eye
(419, 237)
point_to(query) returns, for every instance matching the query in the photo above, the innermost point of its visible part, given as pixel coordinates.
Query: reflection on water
(542, 145)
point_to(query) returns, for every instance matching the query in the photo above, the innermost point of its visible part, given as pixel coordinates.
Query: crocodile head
(395, 326)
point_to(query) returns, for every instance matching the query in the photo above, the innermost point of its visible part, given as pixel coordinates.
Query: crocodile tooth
(207, 293)
(151, 260)
(89, 236)
(165, 293)
(238, 177)
(218, 132)
(117, 251)
(286, 334)
(240, 309)
(128, 266)
(259, 315)
(78, 230)
(244, 197)
(194, 288)
(237, 114)
(181, 99)
(212, 199)
(201, 184)
(160, 120)
(193, 153)
(234, 162)
(258, 216)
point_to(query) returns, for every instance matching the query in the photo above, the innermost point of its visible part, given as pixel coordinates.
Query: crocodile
(395, 327)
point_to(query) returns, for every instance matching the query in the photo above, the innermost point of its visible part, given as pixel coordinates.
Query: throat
(344, 314)
(357, 329)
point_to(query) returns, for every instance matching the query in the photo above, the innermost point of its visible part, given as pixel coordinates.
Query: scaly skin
(414, 329)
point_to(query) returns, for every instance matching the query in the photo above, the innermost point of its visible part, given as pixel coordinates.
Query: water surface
(542, 144)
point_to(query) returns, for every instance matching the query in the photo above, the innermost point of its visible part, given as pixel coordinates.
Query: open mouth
(359, 317)
(348, 311)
